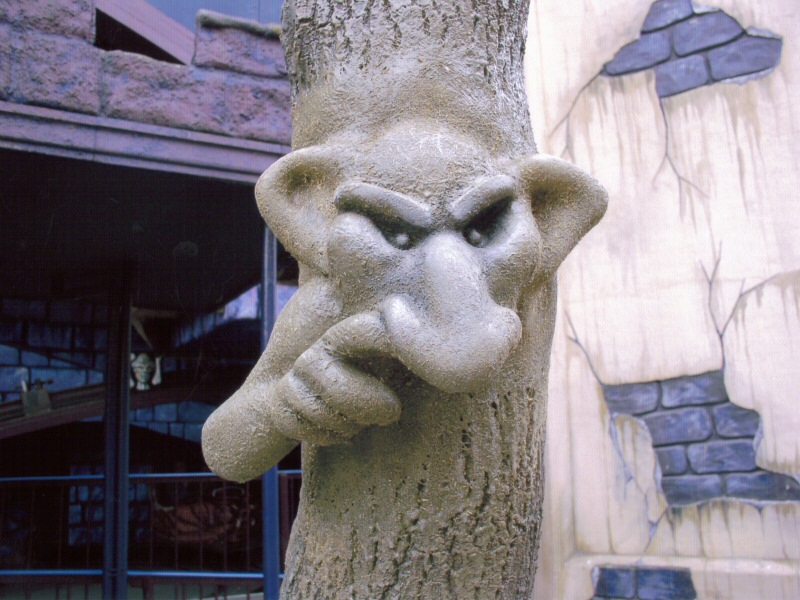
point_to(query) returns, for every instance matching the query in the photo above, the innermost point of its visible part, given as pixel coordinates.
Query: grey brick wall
(61, 342)
(705, 445)
(688, 48)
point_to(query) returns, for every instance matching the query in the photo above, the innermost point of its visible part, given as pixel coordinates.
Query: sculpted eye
(483, 227)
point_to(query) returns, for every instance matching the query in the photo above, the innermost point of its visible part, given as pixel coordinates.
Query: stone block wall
(643, 583)
(58, 341)
(689, 47)
(236, 86)
(705, 445)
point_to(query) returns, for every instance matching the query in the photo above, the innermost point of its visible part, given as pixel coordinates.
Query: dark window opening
(112, 35)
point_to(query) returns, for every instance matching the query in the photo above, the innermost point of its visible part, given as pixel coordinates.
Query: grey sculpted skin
(412, 362)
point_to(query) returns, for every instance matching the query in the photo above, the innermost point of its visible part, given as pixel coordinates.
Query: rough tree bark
(413, 360)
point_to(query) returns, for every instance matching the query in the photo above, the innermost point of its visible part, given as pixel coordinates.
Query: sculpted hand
(324, 398)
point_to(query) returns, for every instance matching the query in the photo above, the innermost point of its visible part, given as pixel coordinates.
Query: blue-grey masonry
(642, 583)
(688, 48)
(705, 445)
(60, 342)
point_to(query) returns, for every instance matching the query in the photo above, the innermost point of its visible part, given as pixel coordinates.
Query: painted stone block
(45, 335)
(732, 421)
(648, 51)
(681, 75)
(708, 388)
(690, 489)
(749, 54)
(62, 379)
(762, 485)
(679, 426)
(12, 377)
(666, 12)
(631, 399)
(672, 460)
(9, 355)
(722, 456)
(704, 31)
(616, 582)
(665, 584)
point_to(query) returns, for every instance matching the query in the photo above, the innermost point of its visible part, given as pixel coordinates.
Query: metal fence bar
(269, 481)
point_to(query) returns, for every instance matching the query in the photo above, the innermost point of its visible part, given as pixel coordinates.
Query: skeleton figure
(412, 362)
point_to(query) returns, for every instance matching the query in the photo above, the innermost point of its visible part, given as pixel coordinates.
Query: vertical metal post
(269, 481)
(117, 442)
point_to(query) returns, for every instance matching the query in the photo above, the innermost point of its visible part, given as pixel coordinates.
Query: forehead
(424, 161)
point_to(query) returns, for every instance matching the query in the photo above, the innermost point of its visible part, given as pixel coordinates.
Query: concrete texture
(236, 87)
(703, 187)
(412, 362)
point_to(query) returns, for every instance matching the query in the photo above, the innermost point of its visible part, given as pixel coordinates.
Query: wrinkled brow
(483, 195)
(382, 204)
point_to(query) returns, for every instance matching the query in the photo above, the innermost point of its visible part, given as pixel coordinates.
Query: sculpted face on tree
(426, 244)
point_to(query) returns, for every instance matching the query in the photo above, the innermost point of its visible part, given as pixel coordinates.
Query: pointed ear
(295, 197)
(566, 203)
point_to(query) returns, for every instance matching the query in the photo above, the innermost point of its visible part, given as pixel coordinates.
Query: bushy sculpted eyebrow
(480, 197)
(377, 202)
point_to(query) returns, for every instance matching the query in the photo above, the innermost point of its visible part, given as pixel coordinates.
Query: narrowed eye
(482, 228)
(398, 236)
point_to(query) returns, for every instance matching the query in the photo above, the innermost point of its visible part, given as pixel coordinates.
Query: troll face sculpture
(412, 362)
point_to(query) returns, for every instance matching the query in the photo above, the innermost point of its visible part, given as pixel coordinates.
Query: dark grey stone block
(194, 412)
(681, 75)
(166, 413)
(667, 12)
(63, 379)
(733, 421)
(100, 315)
(192, 432)
(159, 427)
(144, 414)
(722, 456)
(616, 582)
(71, 359)
(25, 309)
(748, 54)
(10, 332)
(704, 31)
(708, 388)
(665, 584)
(679, 426)
(762, 485)
(12, 377)
(9, 355)
(64, 311)
(672, 460)
(690, 489)
(100, 339)
(84, 338)
(647, 51)
(34, 359)
(46, 335)
(631, 398)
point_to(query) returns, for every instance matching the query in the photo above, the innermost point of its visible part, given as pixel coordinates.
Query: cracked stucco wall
(694, 269)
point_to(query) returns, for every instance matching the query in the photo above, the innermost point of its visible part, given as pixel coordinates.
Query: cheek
(511, 263)
(360, 259)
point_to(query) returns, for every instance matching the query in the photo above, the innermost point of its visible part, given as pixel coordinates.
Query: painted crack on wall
(687, 46)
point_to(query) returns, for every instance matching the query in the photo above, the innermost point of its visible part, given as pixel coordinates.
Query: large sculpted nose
(450, 331)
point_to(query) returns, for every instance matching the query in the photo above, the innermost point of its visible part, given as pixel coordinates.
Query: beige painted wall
(705, 182)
